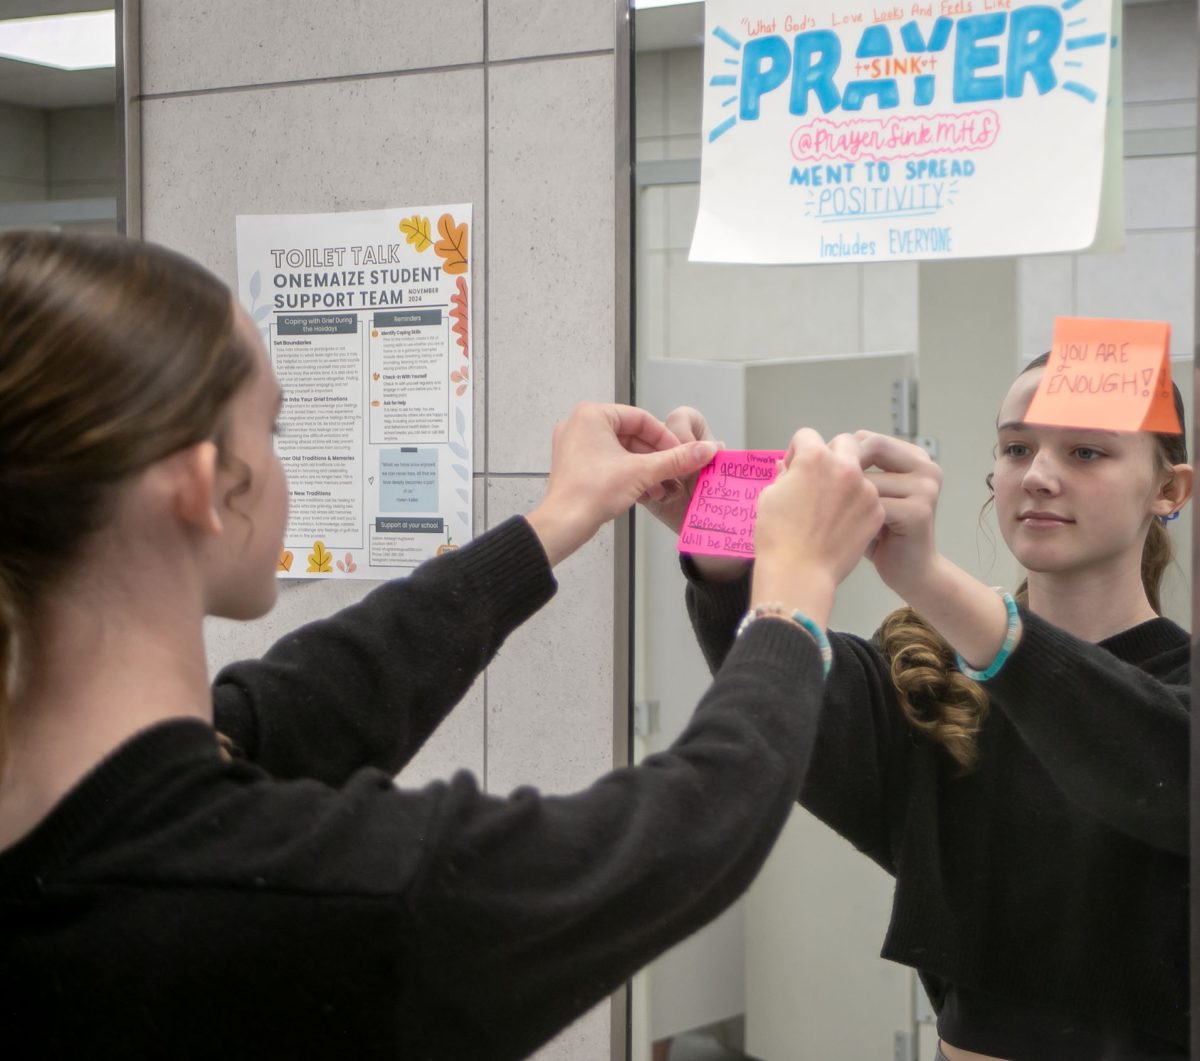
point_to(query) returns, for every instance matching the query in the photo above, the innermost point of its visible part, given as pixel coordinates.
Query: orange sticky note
(1113, 375)
(724, 506)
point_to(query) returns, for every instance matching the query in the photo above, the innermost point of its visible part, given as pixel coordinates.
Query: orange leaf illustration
(455, 377)
(285, 560)
(375, 376)
(461, 389)
(416, 231)
(452, 247)
(459, 314)
(320, 560)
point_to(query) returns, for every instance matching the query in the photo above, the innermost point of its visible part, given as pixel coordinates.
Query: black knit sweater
(1043, 897)
(294, 903)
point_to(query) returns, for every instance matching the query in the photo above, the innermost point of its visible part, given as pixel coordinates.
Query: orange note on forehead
(1113, 375)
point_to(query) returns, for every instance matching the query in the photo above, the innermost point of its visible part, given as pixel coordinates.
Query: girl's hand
(668, 501)
(604, 458)
(909, 483)
(814, 523)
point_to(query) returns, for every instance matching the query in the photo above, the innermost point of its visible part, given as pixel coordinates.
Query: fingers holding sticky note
(1107, 374)
(720, 518)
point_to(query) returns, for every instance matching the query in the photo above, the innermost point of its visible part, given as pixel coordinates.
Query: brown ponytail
(113, 355)
(936, 697)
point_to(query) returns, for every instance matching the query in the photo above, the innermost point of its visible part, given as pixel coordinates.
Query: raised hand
(604, 458)
(909, 483)
(668, 503)
(814, 523)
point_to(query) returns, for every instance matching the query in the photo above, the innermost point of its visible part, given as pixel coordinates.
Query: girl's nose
(1042, 475)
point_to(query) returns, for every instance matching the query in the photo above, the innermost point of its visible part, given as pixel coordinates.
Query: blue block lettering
(765, 66)
(970, 56)
(813, 74)
(857, 91)
(1034, 35)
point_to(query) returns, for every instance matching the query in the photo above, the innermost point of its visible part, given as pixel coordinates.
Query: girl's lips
(1043, 519)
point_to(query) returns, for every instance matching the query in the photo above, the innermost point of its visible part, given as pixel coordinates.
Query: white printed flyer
(866, 130)
(367, 319)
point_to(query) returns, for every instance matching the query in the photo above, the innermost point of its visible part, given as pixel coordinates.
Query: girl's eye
(1087, 453)
(1016, 450)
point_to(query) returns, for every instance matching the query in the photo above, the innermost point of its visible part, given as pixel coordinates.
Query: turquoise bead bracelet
(1010, 641)
(801, 620)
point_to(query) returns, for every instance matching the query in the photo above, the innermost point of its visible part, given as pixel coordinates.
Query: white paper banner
(842, 131)
(367, 318)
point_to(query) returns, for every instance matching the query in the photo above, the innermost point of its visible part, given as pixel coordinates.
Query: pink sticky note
(720, 518)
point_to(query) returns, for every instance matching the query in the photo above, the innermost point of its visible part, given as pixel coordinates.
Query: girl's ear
(1175, 492)
(195, 487)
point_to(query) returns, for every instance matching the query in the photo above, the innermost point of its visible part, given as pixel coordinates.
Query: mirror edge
(1195, 781)
(623, 391)
(128, 118)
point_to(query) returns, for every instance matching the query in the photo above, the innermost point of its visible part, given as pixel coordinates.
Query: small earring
(1164, 520)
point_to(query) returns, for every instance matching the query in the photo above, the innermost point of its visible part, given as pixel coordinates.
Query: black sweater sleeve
(532, 909)
(370, 684)
(1114, 737)
(856, 774)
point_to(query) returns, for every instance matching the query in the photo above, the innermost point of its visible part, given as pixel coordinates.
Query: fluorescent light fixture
(642, 5)
(83, 41)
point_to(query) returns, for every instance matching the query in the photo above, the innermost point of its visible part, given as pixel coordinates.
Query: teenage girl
(1019, 764)
(229, 871)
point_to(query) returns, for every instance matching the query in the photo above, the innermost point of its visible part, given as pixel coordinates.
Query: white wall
(267, 106)
(23, 162)
(65, 153)
(81, 153)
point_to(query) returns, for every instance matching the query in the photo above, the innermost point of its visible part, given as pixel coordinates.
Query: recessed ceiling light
(83, 41)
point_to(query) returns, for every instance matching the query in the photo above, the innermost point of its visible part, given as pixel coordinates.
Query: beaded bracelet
(801, 620)
(1010, 641)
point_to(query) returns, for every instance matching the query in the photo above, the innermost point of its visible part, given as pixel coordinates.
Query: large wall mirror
(59, 159)
(925, 350)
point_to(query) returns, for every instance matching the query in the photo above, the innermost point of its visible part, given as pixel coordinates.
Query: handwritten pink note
(720, 518)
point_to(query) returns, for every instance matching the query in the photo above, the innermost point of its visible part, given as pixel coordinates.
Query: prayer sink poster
(367, 319)
(852, 130)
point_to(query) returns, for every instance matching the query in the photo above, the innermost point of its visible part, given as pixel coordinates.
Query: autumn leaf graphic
(416, 232)
(348, 566)
(452, 247)
(320, 560)
(285, 560)
(459, 314)
(461, 377)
